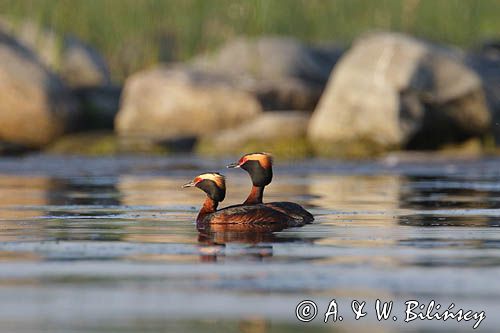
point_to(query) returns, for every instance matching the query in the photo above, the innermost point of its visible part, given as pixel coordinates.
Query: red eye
(242, 161)
(197, 180)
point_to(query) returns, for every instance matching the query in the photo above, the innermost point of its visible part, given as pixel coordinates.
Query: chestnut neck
(209, 207)
(255, 196)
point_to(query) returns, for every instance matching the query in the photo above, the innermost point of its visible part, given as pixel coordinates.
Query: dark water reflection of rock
(119, 235)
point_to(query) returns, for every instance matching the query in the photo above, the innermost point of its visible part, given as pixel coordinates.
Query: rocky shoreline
(387, 91)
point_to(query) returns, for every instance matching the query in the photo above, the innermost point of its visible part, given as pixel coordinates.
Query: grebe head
(258, 165)
(212, 183)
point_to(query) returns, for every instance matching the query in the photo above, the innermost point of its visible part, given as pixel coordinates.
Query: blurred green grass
(133, 34)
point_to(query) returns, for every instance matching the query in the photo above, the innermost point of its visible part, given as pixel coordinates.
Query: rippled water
(104, 244)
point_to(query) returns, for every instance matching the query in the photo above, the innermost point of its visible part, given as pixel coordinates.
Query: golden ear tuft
(265, 159)
(216, 177)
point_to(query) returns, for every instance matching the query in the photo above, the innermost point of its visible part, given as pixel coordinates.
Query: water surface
(110, 244)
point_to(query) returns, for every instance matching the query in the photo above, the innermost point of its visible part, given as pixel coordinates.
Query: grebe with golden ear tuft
(260, 168)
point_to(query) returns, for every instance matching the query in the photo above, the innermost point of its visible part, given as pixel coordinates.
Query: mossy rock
(350, 150)
(469, 147)
(101, 143)
(369, 149)
(284, 148)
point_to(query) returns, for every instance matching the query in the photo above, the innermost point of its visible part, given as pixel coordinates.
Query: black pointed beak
(233, 165)
(190, 184)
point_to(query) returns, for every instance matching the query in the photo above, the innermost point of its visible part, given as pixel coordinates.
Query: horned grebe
(260, 168)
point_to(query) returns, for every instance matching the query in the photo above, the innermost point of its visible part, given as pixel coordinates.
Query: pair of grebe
(253, 210)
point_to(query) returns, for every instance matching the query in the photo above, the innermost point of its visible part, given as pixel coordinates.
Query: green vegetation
(355, 149)
(134, 34)
(283, 148)
(102, 143)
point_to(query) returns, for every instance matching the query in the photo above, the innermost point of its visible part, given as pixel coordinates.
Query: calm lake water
(110, 244)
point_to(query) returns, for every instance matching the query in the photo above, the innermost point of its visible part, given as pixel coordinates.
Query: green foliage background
(134, 34)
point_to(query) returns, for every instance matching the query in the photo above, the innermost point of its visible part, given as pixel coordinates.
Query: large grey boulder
(268, 129)
(394, 91)
(45, 43)
(77, 63)
(81, 66)
(485, 60)
(167, 103)
(36, 107)
(283, 73)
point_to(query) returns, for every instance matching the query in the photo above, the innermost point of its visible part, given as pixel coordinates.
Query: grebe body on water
(214, 185)
(260, 168)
